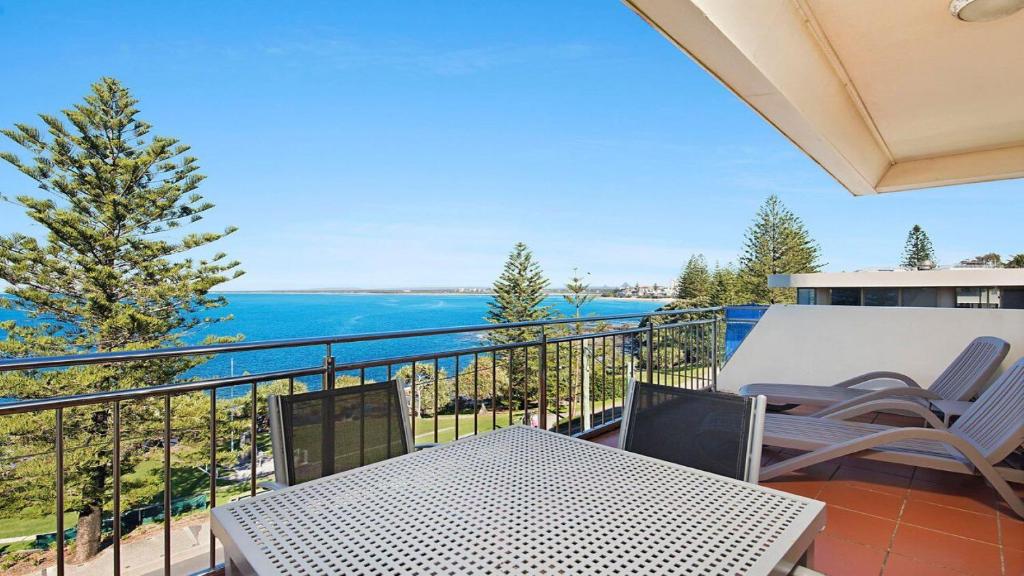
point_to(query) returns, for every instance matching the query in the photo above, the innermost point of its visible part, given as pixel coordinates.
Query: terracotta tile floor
(892, 520)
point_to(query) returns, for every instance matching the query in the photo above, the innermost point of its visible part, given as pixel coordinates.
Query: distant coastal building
(639, 291)
(959, 287)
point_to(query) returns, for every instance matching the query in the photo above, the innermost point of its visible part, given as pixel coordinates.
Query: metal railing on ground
(568, 375)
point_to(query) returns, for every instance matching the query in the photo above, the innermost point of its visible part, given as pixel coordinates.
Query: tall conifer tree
(918, 248)
(694, 283)
(518, 295)
(109, 271)
(725, 288)
(776, 243)
(578, 296)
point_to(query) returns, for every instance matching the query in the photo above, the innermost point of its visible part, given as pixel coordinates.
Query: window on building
(1012, 298)
(881, 297)
(920, 297)
(977, 298)
(845, 296)
(806, 296)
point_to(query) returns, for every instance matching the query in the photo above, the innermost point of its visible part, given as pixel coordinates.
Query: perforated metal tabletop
(519, 501)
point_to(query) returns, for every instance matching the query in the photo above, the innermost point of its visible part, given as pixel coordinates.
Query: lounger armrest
(423, 445)
(910, 382)
(271, 486)
(907, 394)
(888, 405)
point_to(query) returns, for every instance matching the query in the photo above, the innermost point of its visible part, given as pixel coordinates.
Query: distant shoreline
(420, 293)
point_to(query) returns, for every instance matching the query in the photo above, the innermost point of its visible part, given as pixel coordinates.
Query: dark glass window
(1012, 298)
(881, 297)
(921, 297)
(845, 296)
(806, 296)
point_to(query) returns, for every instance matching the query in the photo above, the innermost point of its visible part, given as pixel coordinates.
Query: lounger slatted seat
(988, 432)
(961, 380)
(810, 433)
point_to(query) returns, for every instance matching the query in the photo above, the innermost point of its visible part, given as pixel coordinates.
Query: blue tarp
(739, 321)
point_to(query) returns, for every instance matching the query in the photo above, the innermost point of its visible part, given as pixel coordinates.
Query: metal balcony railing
(568, 375)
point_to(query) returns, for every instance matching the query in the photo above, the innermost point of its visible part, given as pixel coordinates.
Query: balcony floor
(895, 520)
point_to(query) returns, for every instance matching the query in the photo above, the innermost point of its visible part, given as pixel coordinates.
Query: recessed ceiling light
(984, 10)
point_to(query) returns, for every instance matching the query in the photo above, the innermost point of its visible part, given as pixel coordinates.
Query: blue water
(275, 316)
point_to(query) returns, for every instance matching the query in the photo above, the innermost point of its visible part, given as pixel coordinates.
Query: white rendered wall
(825, 344)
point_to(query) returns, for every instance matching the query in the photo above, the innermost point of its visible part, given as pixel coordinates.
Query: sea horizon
(418, 292)
(267, 315)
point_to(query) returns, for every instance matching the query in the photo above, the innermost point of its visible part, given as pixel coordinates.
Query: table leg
(807, 560)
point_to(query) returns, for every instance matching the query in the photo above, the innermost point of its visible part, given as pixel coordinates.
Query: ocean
(270, 316)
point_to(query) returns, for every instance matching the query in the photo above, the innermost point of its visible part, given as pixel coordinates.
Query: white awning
(955, 278)
(886, 95)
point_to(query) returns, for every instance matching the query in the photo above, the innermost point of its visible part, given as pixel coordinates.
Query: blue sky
(391, 144)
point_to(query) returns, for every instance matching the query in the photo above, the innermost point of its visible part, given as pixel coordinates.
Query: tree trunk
(93, 487)
(87, 542)
(588, 408)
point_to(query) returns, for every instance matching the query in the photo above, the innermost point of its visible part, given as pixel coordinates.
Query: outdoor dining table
(520, 500)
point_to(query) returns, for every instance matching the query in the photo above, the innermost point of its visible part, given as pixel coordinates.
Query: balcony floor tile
(860, 528)
(899, 565)
(1013, 561)
(1011, 531)
(870, 502)
(952, 521)
(838, 557)
(897, 520)
(942, 549)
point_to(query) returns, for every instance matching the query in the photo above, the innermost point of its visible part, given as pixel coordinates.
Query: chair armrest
(271, 486)
(910, 382)
(888, 405)
(426, 445)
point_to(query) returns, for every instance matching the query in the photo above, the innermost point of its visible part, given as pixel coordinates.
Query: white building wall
(822, 345)
(947, 297)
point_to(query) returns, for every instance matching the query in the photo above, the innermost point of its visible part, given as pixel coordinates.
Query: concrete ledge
(821, 345)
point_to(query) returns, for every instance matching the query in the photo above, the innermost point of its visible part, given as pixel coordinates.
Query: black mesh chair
(321, 433)
(710, 431)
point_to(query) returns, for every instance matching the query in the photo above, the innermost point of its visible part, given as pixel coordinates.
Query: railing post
(329, 375)
(714, 355)
(213, 467)
(58, 448)
(650, 350)
(543, 379)
(167, 482)
(117, 489)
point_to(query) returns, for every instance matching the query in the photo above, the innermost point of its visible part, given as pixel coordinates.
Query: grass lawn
(446, 425)
(28, 524)
(186, 481)
(485, 423)
(686, 377)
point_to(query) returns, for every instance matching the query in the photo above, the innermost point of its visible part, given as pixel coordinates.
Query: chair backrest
(995, 421)
(320, 433)
(711, 431)
(971, 369)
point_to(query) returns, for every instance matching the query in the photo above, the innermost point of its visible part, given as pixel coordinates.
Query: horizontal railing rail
(176, 388)
(572, 380)
(207, 349)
